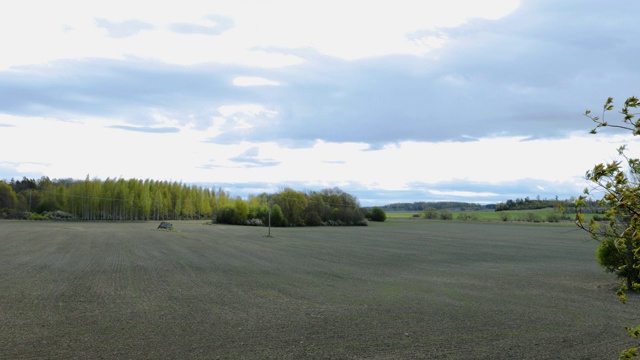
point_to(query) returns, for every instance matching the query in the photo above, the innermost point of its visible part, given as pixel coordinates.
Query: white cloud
(223, 90)
(244, 30)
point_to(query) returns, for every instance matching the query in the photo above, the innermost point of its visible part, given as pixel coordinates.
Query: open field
(514, 215)
(401, 289)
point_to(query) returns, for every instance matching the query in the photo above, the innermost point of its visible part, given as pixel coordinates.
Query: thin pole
(269, 235)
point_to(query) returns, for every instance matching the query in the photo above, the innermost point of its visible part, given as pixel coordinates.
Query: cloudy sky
(392, 101)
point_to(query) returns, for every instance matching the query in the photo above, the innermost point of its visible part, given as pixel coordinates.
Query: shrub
(228, 215)
(378, 214)
(468, 216)
(253, 222)
(533, 217)
(430, 213)
(36, 216)
(610, 258)
(554, 217)
(446, 215)
(504, 216)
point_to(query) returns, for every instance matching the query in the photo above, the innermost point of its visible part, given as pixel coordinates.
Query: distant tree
(430, 213)
(292, 203)
(8, 199)
(377, 214)
(446, 215)
(277, 217)
(242, 209)
(618, 182)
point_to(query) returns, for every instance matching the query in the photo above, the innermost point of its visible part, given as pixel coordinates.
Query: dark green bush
(446, 215)
(378, 214)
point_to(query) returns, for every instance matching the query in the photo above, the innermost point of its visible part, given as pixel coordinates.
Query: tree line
(440, 205)
(567, 206)
(134, 199)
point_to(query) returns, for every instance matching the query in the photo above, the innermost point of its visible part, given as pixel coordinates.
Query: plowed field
(397, 290)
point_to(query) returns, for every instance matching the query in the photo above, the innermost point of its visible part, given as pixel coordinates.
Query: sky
(391, 101)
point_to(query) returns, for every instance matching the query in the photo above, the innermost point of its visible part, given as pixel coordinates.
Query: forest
(567, 206)
(440, 205)
(134, 199)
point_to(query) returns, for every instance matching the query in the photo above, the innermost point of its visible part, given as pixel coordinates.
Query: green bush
(468, 216)
(446, 215)
(533, 217)
(378, 214)
(228, 215)
(36, 216)
(609, 257)
(554, 217)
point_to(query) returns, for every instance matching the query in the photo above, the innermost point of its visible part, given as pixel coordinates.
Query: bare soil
(394, 290)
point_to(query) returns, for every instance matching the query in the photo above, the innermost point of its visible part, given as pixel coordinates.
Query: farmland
(399, 289)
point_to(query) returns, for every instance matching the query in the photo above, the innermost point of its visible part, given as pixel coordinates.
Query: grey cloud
(122, 29)
(250, 159)
(531, 74)
(130, 90)
(220, 25)
(6, 125)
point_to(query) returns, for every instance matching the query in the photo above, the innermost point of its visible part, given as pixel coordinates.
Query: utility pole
(269, 235)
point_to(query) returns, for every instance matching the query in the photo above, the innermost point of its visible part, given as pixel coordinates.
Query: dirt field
(395, 290)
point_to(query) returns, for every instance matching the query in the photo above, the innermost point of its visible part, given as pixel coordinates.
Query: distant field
(485, 215)
(395, 290)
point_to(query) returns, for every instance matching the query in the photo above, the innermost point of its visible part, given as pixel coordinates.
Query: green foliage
(430, 213)
(618, 182)
(120, 199)
(468, 216)
(8, 198)
(610, 257)
(377, 214)
(242, 208)
(228, 215)
(293, 204)
(554, 217)
(36, 216)
(533, 217)
(445, 215)
(312, 219)
(439, 205)
(277, 216)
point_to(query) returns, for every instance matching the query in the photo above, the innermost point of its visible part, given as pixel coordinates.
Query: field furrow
(401, 289)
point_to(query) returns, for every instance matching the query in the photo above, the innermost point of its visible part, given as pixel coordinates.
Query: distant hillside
(440, 205)
(568, 206)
